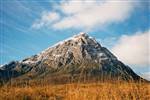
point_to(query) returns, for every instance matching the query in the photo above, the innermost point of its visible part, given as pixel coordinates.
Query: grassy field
(78, 91)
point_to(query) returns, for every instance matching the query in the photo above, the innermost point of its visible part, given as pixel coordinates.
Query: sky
(29, 26)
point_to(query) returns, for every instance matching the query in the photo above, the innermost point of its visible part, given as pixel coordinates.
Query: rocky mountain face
(80, 56)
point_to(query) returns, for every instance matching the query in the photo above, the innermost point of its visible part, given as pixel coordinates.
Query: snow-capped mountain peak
(72, 56)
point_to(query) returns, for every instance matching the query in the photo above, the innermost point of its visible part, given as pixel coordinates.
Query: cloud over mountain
(84, 14)
(134, 49)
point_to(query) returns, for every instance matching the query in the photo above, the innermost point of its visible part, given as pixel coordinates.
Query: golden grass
(78, 91)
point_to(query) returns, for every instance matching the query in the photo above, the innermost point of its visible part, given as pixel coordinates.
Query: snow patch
(56, 55)
(29, 62)
(1, 65)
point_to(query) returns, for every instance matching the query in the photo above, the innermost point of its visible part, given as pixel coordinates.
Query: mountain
(80, 57)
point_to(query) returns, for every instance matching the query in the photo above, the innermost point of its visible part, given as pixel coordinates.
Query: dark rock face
(79, 55)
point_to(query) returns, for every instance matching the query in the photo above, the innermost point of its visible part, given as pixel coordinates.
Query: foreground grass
(78, 91)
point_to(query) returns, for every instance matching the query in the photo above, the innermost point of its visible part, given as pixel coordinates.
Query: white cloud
(46, 19)
(134, 49)
(86, 13)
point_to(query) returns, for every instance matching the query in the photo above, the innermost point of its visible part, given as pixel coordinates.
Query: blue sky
(29, 26)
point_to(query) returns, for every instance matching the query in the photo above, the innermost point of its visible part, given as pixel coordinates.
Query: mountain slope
(79, 57)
